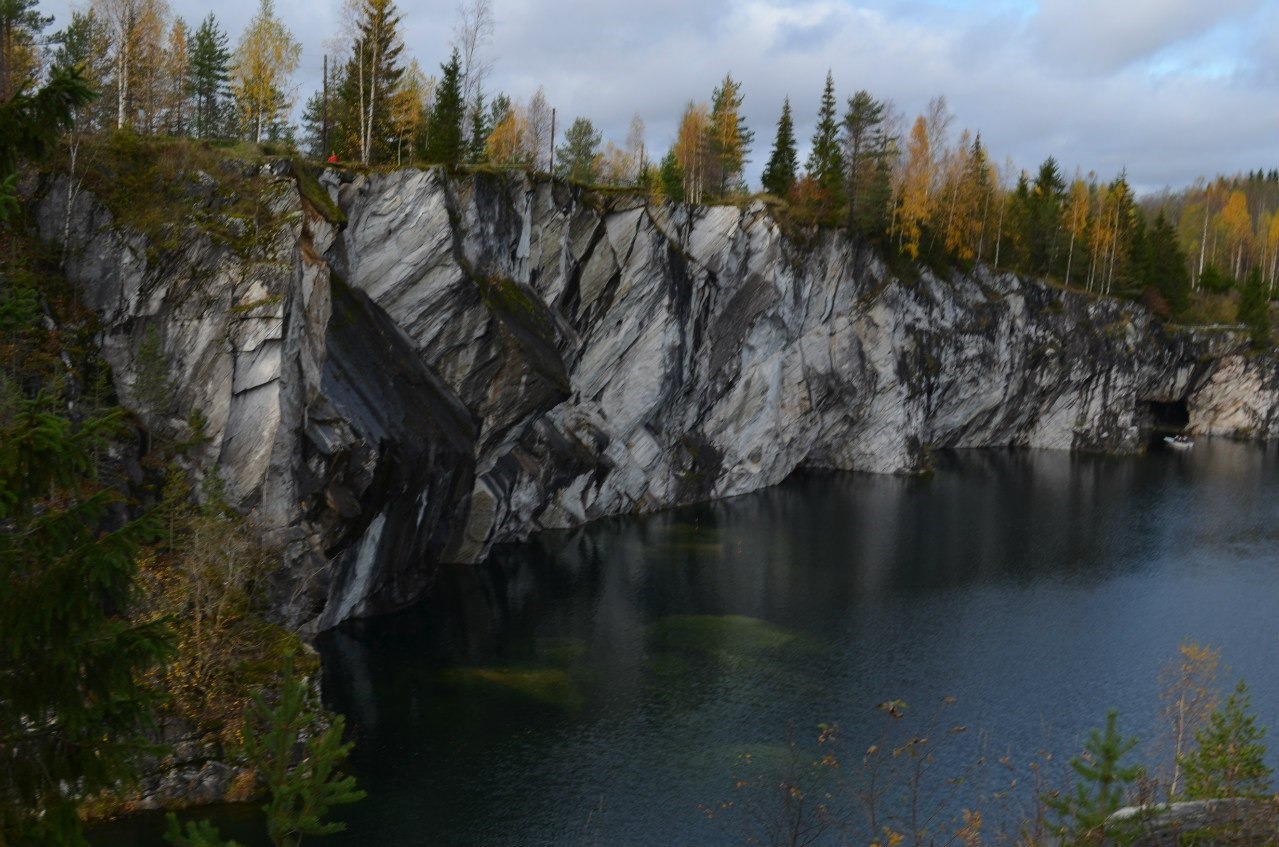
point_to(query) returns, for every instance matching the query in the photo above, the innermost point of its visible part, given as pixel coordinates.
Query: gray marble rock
(465, 361)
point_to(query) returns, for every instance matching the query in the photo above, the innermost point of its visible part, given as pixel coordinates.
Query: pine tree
(85, 44)
(578, 157)
(444, 138)
(31, 123)
(302, 792)
(1230, 759)
(1099, 787)
(783, 165)
(20, 26)
(863, 151)
(210, 77)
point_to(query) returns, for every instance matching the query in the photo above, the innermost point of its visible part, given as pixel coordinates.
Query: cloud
(1103, 36)
(1170, 89)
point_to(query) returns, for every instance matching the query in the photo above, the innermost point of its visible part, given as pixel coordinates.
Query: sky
(1169, 90)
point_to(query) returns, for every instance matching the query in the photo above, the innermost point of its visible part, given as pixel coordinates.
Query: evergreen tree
(864, 148)
(368, 81)
(29, 127)
(20, 26)
(480, 130)
(302, 792)
(825, 165)
(671, 177)
(1230, 759)
(1081, 815)
(498, 110)
(209, 73)
(1168, 270)
(1044, 217)
(444, 138)
(1254, 308)
(72, 709)
(578, 157)
(783, 165)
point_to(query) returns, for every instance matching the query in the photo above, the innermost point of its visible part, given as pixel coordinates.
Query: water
(602, 686)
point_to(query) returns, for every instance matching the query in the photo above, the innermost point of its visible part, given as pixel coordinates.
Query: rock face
(462, 362)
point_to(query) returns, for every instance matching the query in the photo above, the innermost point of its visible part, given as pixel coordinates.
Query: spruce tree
(1044, 222)
(209, 72)
(1254, 308)
(72, 706)
(783, 165)
(1161, 264)
(480, 129)
(826, 161)
(444, 138)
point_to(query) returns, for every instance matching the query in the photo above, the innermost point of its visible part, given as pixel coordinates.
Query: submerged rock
(428, 366)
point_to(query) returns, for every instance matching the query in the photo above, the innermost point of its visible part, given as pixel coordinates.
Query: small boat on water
(1179, 441)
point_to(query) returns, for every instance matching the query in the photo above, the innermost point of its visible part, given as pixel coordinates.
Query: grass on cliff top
(153, 185)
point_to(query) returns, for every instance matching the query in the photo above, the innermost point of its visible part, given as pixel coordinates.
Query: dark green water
(601, 686)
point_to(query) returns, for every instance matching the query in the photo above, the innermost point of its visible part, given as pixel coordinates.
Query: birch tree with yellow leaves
(1076, 219)
(1236, 223)
(264, 60)
(690, 150)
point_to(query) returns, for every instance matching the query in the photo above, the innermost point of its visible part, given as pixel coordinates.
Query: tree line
(915, 188)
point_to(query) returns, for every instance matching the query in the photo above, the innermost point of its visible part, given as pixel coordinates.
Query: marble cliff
(406, 368)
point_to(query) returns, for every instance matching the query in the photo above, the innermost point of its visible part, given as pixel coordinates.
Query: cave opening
(1158, 418)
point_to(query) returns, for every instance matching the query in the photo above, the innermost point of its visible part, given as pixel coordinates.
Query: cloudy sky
(1169, 89)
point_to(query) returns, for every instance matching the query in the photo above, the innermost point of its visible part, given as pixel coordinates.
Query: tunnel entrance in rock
(1158, 418)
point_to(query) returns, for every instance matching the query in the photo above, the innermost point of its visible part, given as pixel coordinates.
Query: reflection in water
(596, 686)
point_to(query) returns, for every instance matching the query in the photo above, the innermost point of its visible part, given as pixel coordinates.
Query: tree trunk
(1203, 245)
(1070, 256)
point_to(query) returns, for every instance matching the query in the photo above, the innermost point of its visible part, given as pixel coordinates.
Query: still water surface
(601, 686)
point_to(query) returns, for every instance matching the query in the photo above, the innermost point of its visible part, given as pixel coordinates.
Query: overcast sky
(1169, 89)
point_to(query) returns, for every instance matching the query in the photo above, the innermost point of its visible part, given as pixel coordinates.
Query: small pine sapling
(297, 757)
(1082, 816)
